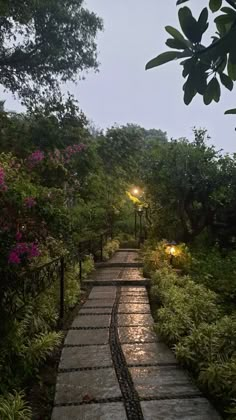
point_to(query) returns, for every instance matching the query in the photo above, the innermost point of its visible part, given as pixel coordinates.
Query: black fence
(17, 289)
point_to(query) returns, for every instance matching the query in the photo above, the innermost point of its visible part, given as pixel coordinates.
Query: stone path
(113, 366)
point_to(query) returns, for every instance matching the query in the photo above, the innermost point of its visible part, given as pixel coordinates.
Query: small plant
(159, 257)
(14, 407)
(110, 248)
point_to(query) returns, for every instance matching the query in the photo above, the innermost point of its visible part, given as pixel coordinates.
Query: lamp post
(135, 221)
(140, 213)
(136, 192)
(171, 250)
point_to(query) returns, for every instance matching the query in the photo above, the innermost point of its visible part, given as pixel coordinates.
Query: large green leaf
(212, 92)
(230, 111)
(177, 35)
(226, 81)
(162, 59)
(200, 77)
(215, 5)
(189, 25)
(176, 44)
(188, 65)
(203, 20)
(231, 69)
(181, 1)
(189, 91)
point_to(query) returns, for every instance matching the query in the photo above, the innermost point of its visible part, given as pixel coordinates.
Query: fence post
(80, 262)
(101, 254)
(62, 287)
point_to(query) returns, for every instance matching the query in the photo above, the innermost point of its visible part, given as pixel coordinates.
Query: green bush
(190, 318)
(110, 248)
(206, 268)
(14, 407)
(185, 304)
(158, 257)
(26, 345)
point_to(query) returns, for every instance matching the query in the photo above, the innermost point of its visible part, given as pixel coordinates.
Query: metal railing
(18, 289)
(92, 247)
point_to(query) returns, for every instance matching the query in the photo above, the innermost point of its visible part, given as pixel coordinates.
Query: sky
(123, 92)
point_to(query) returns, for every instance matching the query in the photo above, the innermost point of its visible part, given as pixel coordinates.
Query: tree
(191, 187)
(205, 68)
(43, 43)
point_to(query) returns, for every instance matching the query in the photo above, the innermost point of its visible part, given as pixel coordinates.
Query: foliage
(24, 347)
(110, 248)
(206, 68)
(190, 318)
(157, 256)
(191, 187)
(185, 304)
(13, 406)
(206, 268)
(43, 43)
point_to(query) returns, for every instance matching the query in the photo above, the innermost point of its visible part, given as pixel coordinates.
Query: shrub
(207, 266)
(158, 258)
(203, 337)
(13, 406)
(185, 304)
(110, 248)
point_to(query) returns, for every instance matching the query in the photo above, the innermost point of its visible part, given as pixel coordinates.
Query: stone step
(128, 250)
(117, 282)
(119, 264)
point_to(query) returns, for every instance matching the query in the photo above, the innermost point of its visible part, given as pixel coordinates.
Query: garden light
(171, 250)
(136, 191)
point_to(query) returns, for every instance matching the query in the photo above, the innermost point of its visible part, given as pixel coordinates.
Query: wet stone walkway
(114, 367)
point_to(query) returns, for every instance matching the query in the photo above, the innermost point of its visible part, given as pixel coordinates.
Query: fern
(41, 347)
(13, 407)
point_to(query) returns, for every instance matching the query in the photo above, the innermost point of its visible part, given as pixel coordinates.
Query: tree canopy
(205, 68)
(45, 42)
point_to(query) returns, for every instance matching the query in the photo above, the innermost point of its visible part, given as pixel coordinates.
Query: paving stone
(168, 381)
(81, 357)
(97, 321)
(185, 409)
(136, 334)
(134, 289)
(132, 308)
(96, 311)
(102, 289)
(134, 320)
(132, 274)
(72, 387)
(102, 295)
(134, 299)
(114, 411)
(148, 353)
(78, 337)
(99, 303)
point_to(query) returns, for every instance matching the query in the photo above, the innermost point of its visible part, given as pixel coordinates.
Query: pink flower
(30, 202)
(18, 236)
(14, 258)
(23, 249)
(3, 186)
(35, 158)
(34, 251)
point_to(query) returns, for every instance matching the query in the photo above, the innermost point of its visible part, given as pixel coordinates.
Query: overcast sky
(122, 92)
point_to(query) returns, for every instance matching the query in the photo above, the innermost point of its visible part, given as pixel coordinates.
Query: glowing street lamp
(136, 191)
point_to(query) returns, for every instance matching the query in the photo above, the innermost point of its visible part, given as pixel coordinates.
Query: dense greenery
(194, 323)
(43, 43)
(205, 68)
(62, 182)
